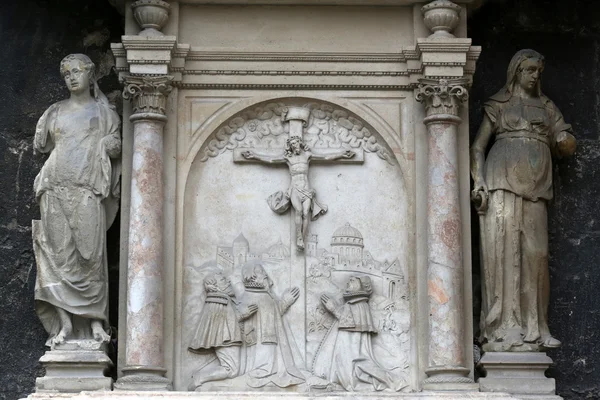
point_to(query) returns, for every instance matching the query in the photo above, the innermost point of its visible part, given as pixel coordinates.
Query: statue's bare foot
(300, 244)
(61, 336)
(99, 333)
(66, 327)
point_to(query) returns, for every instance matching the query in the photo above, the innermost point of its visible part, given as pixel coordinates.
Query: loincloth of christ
(280, 201)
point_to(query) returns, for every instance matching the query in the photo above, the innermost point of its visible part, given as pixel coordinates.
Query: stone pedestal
(73, 368)
(521, 374)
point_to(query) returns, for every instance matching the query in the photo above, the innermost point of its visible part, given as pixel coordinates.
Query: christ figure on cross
(297, 156)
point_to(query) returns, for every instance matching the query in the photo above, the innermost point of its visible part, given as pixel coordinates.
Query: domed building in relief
(278, 251)
(347, 243)
(347, 255)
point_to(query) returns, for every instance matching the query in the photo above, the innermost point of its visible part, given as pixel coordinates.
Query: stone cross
(300, 196)
(297, 156)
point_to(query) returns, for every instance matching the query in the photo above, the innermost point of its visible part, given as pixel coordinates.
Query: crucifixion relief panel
(295, 258)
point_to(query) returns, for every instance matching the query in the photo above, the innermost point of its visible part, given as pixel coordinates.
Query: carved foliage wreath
(328, 128)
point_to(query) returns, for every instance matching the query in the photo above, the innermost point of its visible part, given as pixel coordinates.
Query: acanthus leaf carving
(443, 96)
(148, 93)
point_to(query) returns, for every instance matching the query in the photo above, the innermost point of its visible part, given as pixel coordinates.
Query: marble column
(144, 353)
(446, 363)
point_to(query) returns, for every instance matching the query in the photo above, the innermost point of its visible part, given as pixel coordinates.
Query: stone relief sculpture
(297, 155)
(512, 187)
(324, 128)
(272, 356)
(370, 328)
(300, 195)
(219, 331)
(77, 190)
(264, 258)
(345, 356)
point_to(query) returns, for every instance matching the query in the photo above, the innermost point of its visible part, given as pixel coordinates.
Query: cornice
(451, 45)
(284, 86)
(199, 55)
(293, 73)
(149, 43)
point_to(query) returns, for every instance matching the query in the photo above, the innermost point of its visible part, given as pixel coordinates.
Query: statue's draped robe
(271, 352)
(77, 190)
(218, 325)
(345, 355)
(514, 232)
(219, 330)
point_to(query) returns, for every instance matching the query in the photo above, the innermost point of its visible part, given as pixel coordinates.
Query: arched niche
(227, 224)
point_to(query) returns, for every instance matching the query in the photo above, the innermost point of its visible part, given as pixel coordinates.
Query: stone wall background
(567, 33)
(37, 34)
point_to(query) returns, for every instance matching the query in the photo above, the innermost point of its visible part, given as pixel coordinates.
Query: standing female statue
(512, 187)
(77, 190)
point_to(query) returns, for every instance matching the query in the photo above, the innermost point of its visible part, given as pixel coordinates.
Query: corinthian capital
(148, 93)
(442, 97)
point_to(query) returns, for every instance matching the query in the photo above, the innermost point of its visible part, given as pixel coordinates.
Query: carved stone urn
(151, 15)
(441, 17)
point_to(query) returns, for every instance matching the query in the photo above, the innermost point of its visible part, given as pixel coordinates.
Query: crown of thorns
(303, 145)
(292, 138)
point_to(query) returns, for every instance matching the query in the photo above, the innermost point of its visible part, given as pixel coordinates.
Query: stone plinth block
(521, 374)
(74, 371)
(273, 396)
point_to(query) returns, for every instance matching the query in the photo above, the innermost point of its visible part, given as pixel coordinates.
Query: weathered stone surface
(512, 186)
(520, 373)
(565, 32)
(273, 396)
(77, 190)
(74, 370)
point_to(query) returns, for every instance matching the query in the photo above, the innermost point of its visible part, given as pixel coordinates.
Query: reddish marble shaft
(144, 347)
(445, 273)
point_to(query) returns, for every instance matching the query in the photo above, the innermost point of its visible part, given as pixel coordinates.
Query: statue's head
(359, 284)
(78, 72)
(217, 282)
(525, 70)
(295, 145)
(254, 276)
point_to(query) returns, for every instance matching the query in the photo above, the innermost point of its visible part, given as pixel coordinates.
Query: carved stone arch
(219, 198)
(243, 112)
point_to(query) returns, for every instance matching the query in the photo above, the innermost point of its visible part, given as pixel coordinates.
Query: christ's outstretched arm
(251, 155)
(334, 156)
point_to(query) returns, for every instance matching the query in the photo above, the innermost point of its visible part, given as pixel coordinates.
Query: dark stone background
(37, 34)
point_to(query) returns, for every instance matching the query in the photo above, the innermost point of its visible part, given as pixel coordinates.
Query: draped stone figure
(77, 190)
(272, 356)
(219, 331)
(345, 356)
(513, 185)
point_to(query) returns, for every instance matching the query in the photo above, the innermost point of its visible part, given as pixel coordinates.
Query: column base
(74, 367)
(518, 373)
(449, 379)
(143, 378)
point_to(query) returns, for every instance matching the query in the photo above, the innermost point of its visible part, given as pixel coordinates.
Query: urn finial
(151, 15)
(441, 17)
